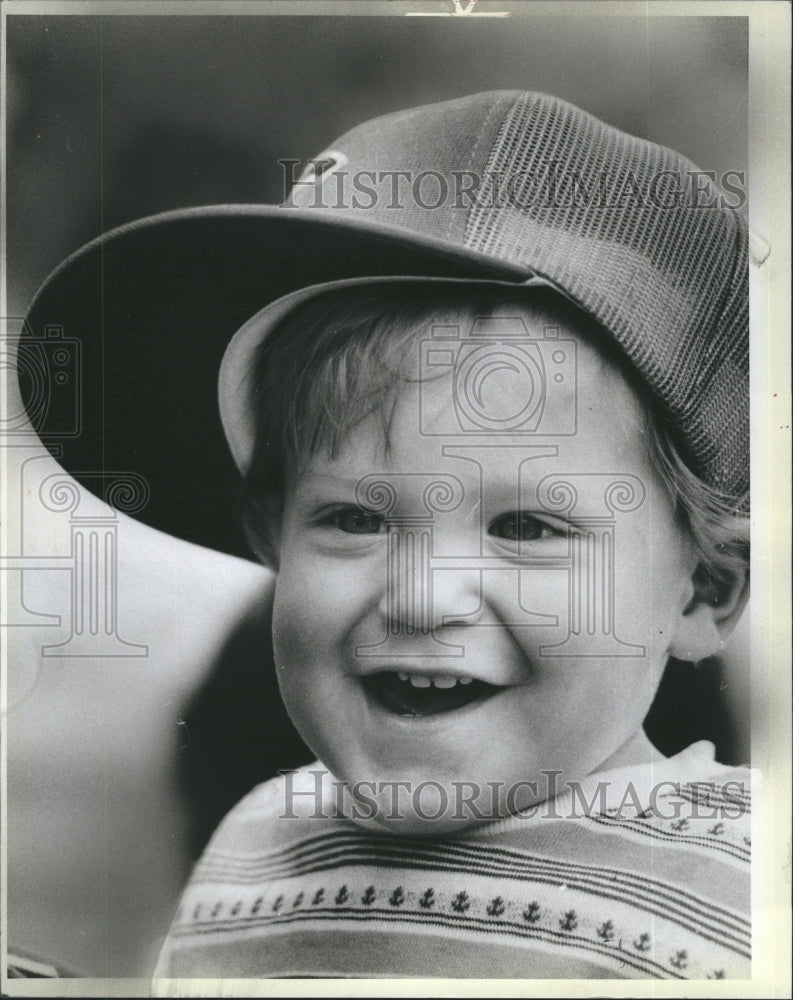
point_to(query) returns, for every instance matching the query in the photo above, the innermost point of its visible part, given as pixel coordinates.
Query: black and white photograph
(395, 452)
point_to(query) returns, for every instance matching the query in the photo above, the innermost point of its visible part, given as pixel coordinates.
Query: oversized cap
(505, 186)
(633, 233)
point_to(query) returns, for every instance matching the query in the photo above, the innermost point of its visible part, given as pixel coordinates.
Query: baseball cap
(510, 187)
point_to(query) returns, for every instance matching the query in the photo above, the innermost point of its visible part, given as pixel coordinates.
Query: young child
(501, 473)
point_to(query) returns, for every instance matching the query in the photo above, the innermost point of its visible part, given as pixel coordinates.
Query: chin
(429, 826)
(419, 807)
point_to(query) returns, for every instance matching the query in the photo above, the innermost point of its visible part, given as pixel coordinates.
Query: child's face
(565, 631)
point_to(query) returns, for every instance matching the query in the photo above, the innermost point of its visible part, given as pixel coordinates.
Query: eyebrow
(348, 482)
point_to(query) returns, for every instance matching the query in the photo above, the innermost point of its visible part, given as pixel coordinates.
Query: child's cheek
(302, 640)
(533, 604)
(320, 600)
(650, 568)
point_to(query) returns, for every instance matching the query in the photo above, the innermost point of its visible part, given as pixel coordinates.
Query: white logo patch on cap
(319, 170)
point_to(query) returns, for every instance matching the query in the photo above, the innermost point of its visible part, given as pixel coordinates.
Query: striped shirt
(640, 872)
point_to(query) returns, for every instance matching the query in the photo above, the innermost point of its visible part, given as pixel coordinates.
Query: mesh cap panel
(647, 245)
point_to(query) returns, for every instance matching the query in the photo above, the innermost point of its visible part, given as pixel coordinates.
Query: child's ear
(712, 612)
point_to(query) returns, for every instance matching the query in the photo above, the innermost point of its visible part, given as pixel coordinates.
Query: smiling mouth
(397, 694)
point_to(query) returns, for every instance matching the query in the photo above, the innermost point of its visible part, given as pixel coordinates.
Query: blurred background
(118, 771)
(110, 122)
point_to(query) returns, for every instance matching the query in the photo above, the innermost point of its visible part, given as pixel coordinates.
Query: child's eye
(518, 526)
(356, 521)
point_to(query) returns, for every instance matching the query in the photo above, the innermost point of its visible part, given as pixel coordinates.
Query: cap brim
(146, 313)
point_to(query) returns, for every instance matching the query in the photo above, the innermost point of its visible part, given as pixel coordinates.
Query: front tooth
(420, 681)
(402, 675)
(466, 680)
(444, 682)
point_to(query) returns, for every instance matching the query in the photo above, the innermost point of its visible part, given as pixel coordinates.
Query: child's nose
(418, 597)
(456, 596)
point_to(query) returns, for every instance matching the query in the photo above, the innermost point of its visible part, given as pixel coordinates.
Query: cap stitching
(474, 150)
